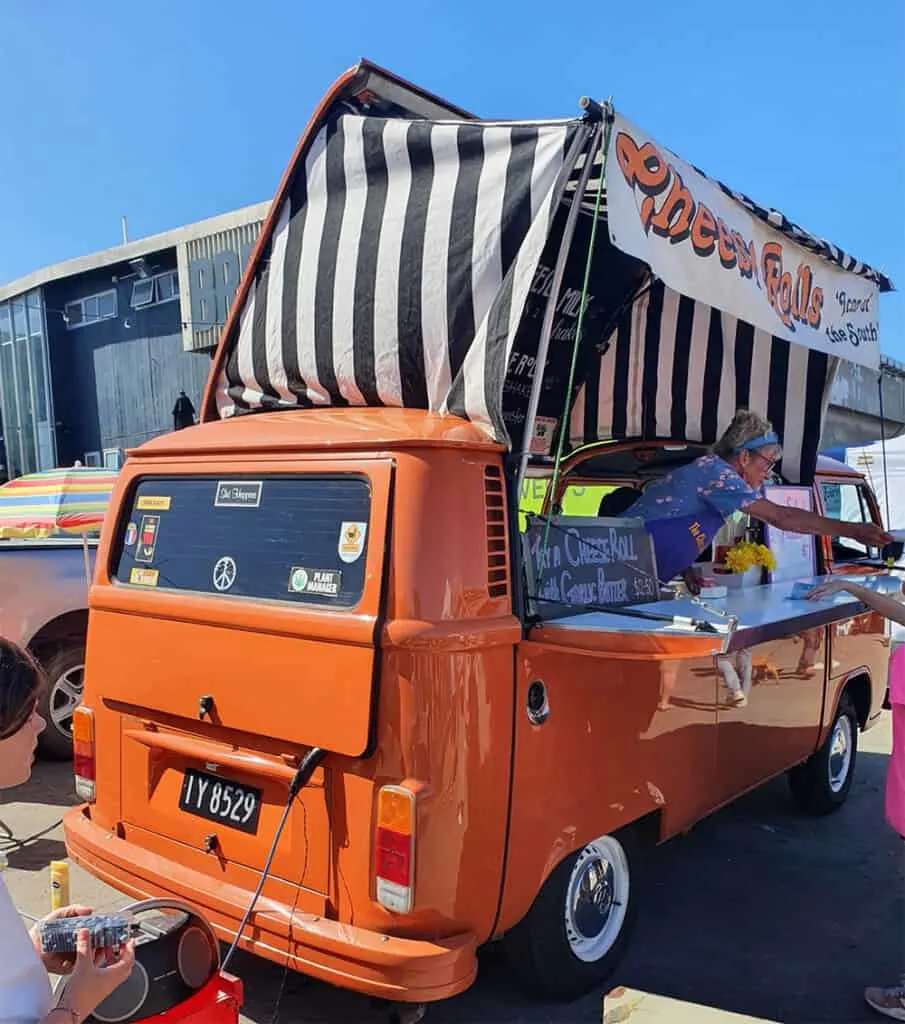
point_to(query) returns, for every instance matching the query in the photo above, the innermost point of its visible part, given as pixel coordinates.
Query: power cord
(302, 777)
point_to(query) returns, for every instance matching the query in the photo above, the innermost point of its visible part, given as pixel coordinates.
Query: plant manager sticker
(325, 582)
(352, 541)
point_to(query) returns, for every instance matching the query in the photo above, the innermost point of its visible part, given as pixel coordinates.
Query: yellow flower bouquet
(746, 555)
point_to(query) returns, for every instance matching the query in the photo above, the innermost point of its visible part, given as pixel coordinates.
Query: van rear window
(301, 539)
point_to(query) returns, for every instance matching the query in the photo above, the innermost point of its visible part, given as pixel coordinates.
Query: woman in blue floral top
(685, 510)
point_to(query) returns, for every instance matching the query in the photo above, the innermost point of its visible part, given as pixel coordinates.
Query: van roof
(326, 429)
(833, 467)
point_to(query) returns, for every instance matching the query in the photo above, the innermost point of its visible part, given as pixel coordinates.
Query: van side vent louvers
(495, 520)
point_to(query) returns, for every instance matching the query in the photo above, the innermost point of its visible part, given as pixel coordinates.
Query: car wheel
(821, 784)
(65, 670)
(574, 935)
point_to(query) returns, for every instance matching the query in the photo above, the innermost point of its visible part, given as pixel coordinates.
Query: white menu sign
(795, 553)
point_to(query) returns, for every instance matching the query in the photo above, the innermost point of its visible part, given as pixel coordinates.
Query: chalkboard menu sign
(580, 562)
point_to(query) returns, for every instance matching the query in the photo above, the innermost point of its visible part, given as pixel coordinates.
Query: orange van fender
(861, 697)
(527, 869)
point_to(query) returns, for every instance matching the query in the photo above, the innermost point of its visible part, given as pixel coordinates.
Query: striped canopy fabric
(398, 267)
(410, 263)
(674, 368)
(69, 501)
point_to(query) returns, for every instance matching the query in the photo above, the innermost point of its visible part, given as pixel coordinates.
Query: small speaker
(196, 957)
(176, 954)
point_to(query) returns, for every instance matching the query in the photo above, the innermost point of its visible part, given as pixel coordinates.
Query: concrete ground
(758, 912)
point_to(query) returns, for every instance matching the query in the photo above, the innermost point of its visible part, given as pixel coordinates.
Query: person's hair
(21, 681)
(745, 426)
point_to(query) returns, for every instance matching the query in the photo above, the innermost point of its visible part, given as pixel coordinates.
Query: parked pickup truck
(44, 606)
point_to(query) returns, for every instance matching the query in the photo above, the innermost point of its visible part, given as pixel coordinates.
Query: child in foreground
(889, 1001)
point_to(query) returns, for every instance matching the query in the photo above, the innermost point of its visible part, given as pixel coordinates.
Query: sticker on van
(225, 573)
(147, 539)
(153, 503)
(238, 493)
(326, 582)
(352, 541)
(144, 577)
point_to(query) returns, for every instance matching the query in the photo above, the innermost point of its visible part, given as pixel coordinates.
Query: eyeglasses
(768, 462)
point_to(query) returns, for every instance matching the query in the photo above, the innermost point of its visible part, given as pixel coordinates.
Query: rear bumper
(407, 970)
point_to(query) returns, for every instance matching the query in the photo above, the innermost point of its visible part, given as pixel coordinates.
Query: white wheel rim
(840, 760)
(65, 697)
(597, 899)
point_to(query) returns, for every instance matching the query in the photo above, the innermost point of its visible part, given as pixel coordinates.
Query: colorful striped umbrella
(72, 501)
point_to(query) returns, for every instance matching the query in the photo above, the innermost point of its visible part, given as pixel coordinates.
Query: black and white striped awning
(398, 267)
(674, 368)
(409, 263)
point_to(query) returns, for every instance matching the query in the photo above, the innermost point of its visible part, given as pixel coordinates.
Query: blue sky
(181, 109)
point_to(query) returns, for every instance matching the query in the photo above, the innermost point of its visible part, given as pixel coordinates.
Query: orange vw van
(318, 705)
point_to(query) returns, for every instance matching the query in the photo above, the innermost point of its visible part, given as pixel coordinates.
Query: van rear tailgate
(306, 692)
(246, 602)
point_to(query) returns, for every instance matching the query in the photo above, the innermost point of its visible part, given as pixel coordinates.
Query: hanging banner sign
(705, 245)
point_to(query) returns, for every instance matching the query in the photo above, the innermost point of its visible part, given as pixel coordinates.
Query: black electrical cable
(302, 777)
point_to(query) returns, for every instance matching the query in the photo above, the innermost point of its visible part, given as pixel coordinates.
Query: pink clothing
(895, 776)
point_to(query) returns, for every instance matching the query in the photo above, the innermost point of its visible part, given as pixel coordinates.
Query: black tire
(65, 670)
(567, 946)
(821, 784)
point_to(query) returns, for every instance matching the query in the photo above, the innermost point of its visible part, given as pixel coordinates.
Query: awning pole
(883, 447)
(543, 346)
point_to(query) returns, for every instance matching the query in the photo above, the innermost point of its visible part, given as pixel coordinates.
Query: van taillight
(83, 753)
(394, 849)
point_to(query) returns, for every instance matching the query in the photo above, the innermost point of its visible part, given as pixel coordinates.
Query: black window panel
(276, 526)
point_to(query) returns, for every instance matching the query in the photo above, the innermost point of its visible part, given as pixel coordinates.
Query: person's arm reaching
(883, 604)
(799, 520)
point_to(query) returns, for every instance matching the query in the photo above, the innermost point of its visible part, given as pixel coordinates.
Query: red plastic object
(218, 1002)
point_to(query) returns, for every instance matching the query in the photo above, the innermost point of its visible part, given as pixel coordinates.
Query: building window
(113, 458)
(90, 310)
(151, 291)
(93, 459)
(167, 286)
(143, 292)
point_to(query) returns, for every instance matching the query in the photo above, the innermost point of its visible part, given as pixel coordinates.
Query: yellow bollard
(59, 884)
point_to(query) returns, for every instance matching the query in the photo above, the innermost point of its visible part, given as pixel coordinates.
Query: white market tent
(888, 484)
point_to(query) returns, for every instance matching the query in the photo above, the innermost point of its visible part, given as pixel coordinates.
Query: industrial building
(95, 351)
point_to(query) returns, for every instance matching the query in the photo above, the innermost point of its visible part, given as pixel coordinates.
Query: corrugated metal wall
(210, 269)
(138, 381)
(115, 382)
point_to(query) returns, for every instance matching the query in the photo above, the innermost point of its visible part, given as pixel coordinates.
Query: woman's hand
(96, 974)
(59, 963)
(831, 588)
(870, 535)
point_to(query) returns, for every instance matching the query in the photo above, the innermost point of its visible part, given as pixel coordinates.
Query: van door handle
(213, 753)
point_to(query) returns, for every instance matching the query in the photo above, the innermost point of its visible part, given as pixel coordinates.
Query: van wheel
(65, 671)
(575, 933)
(821, 784)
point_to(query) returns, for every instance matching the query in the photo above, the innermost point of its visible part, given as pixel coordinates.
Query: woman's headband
(764, 441)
